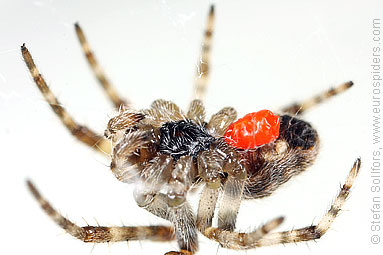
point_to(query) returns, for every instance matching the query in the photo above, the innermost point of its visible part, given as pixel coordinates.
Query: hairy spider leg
(101, 234)
(181, 217)
(227, 238)
(97, 70)
(225, 235)
(206, 207)
(82, 133)
(235, 240)
(203, 63)
(315, 231)
(196, 112)
(298, 108)
(232, 195)
(231, 199)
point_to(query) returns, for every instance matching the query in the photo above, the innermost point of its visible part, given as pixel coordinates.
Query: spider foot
(181, 252)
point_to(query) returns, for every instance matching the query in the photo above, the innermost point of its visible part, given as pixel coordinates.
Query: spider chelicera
(167, 153)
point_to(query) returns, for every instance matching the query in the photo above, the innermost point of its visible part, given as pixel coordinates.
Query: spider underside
(167, 153)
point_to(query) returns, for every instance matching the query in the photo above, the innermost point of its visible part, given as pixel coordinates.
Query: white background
(264, 55)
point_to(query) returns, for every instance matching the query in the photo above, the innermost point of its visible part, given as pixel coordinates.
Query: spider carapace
(167, 153)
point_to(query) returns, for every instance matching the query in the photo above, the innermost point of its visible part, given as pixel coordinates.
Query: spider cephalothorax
(184, 138)
(166, 152)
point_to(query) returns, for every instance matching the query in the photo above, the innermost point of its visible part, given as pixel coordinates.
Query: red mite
(253, 130)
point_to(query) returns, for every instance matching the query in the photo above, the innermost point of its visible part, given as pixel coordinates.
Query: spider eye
(253, 130)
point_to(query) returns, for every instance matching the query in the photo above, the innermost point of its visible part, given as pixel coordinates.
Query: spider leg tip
(77, 28)
(28, 181)
(273, 224)
(32, 188)
(30, 185)
(279, 220)
(358, 162)
(350, 84)
(211, 9)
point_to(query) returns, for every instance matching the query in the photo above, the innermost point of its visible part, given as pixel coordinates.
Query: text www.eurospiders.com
(375, 170)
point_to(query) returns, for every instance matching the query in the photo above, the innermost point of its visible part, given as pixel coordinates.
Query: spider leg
(300, 107)
(206, 207)
(197, 112)
(258, 238)
(209, 171)
(181, 217)
(314, 232)
(97, 70)
(232, 195)
(101, 234)
(82, 133)
(227, 215)
(232, 192)
(203, 65)
(236, 240)
(221, 120)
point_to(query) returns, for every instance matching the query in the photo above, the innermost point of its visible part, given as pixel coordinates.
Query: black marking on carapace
(183, 138)
(298, 133)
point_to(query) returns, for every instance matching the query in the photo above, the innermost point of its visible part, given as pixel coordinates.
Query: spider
(167, 154)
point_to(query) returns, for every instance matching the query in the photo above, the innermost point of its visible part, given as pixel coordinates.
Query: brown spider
(167, 153)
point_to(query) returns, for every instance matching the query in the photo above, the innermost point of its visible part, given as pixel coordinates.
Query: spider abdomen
(298, 133)
(272, 165)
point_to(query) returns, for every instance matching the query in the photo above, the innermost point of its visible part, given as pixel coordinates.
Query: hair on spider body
(274, 164)
(166, 152)
(183, 138)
